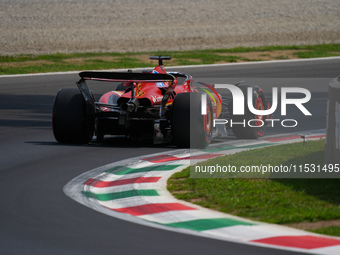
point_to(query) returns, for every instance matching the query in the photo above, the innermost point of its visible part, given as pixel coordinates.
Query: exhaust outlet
(130, 106)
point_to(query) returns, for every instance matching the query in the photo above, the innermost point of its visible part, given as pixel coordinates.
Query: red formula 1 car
(164, 106)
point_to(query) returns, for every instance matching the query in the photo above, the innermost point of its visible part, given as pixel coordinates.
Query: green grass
(42, 64)
(22, 64)
(278, 201)
(332, 231)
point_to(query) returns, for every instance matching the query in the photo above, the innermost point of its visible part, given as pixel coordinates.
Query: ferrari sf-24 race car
(164, 106)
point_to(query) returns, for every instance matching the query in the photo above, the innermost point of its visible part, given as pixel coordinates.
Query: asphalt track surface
(36, 217)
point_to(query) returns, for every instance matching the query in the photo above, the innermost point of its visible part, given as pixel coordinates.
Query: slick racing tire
(254, 125)
(189, 127)
(69, 119)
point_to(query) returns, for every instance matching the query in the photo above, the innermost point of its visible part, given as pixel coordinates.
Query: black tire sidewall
(70, 122)
(188, 122)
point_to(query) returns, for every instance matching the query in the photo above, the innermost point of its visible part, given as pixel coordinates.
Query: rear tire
(200, 133)
(69, 119)
(257, 128)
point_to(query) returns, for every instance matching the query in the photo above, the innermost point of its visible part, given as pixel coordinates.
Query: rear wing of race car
(119, 76)
(124, 77)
